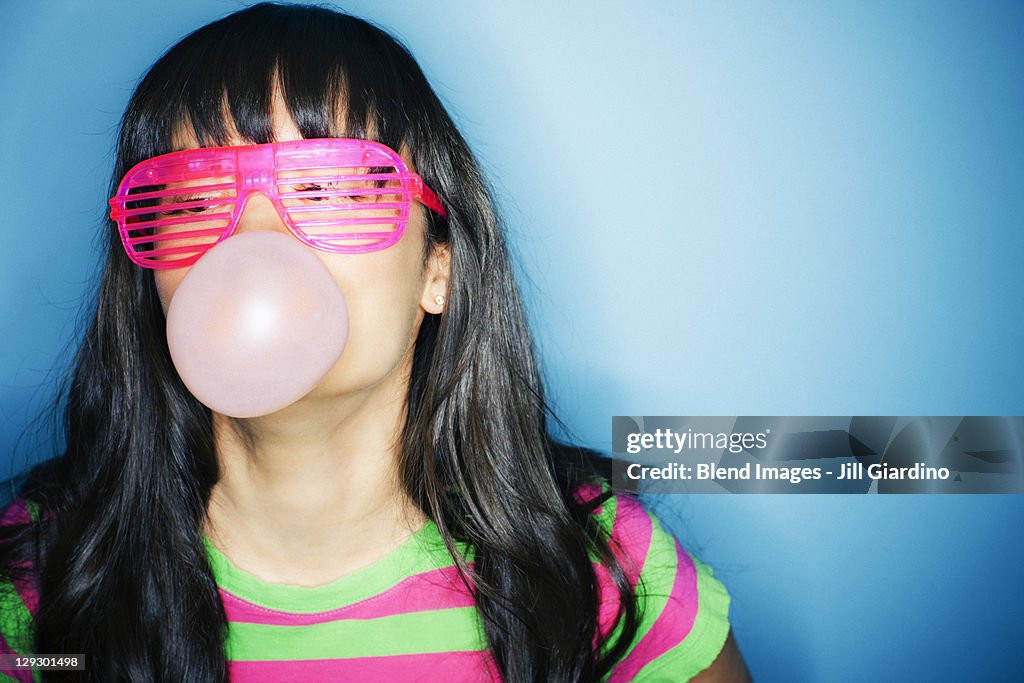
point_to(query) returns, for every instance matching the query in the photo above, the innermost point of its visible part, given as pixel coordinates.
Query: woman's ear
(435, 287)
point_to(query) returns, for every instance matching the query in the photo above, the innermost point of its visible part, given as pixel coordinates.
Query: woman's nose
(259, 213)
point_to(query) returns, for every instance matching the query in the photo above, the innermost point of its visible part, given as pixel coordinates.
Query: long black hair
(122, 569)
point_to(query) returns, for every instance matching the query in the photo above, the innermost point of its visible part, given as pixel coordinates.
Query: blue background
(717, 209)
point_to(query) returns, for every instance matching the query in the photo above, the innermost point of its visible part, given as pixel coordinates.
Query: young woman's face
(387, 291)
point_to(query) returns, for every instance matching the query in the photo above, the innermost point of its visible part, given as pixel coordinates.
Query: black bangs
(339, 76)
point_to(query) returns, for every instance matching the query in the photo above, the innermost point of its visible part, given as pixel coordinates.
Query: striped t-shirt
(409, 617)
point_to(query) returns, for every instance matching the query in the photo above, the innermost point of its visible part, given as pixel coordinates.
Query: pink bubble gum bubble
(256, 324)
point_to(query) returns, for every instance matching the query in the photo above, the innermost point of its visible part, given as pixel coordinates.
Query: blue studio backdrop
(799, 208)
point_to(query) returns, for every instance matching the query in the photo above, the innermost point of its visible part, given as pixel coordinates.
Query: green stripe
(16, 622)
(606, 516)
(448, 630)
(609, 509)
(33, 510)
(421, 552)
(707, 637)
(37, 676)
(658, 575)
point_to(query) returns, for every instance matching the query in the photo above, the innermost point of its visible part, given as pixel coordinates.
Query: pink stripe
(436, 589)
(26, 590)
(17, 514)
(672, 625)
(450, 667)
(21, 675)
(633, 530)
(586, 492)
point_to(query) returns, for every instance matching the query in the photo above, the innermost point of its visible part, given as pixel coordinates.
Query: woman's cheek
(383, 292)
(381, 333)
(167, 282)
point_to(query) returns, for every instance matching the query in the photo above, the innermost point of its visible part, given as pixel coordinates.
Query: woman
(409, 518)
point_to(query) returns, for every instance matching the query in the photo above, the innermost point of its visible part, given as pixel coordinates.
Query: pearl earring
(439, 299)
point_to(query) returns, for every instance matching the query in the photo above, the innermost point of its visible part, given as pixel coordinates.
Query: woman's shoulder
(684, 609)
(19, 596)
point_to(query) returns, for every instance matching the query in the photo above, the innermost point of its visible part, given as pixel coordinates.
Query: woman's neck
(311, 493)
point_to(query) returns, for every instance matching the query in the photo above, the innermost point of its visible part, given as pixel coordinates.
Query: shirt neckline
(423, 551)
